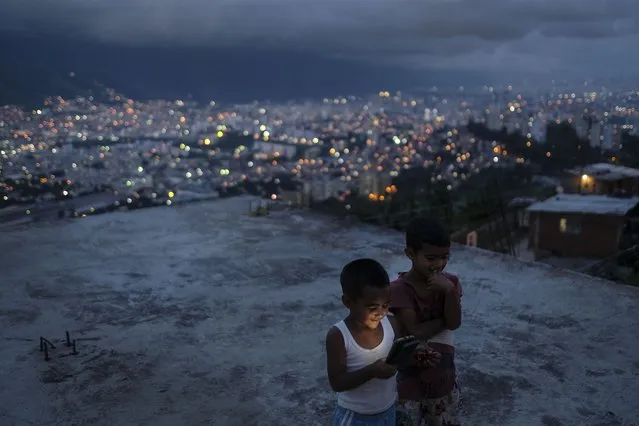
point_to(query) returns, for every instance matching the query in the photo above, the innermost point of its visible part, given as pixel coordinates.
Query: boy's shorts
(344, 417)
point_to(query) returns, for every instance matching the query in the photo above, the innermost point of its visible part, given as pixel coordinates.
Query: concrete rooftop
(586, 204)
(200, 315)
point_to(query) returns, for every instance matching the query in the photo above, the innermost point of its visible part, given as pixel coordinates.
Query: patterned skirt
(444, 411)
(431, 396)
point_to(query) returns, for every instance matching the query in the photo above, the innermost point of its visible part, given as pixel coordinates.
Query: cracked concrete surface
(201, 315)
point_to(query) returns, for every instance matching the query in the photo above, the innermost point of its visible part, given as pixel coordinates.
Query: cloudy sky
(557, 36)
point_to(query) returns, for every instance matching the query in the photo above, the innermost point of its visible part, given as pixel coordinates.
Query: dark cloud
(460, 33)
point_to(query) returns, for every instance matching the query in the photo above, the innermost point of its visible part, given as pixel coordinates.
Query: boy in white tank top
(356, 349)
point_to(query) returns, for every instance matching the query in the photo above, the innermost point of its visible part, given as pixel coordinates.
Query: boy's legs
(344, 417)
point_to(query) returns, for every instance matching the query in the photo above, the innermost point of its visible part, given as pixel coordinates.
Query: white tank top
(376, 395)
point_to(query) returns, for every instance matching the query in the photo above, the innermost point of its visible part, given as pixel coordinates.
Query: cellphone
(402, 350)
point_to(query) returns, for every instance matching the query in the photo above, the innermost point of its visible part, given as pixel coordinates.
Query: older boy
(426, 303)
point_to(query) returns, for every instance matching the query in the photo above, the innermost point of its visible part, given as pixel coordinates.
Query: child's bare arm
(422, 331)
(452, 304)
(342, 380)
(452, 309)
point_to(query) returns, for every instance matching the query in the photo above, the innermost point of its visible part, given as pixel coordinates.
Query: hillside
(40, 67)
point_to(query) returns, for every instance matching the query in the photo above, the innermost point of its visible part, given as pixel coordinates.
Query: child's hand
(440, 282)
(426, 357)
(381, 370)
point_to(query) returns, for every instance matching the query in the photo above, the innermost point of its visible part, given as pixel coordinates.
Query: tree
(420, 193)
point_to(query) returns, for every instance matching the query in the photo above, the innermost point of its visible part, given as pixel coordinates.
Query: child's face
(370, 307)
(429, 260)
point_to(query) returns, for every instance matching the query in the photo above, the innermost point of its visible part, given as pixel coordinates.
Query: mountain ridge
(40, 66)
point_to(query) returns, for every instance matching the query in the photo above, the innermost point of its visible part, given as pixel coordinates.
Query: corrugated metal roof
(586, 204)
(522, 201)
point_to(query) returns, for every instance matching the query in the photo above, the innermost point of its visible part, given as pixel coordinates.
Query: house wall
(629, 186)
(573, 184)
(595, 236)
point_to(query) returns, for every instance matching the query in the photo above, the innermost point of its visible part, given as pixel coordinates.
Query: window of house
(569, 226)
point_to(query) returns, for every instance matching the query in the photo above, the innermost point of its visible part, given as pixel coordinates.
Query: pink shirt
(419, 383)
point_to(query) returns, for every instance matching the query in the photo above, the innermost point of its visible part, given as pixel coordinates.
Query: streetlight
(585, 180)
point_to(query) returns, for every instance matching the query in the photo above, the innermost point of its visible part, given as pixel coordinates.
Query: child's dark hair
(361, 273)
(423, 231)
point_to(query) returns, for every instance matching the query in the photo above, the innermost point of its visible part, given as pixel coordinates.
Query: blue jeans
(344, 417)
